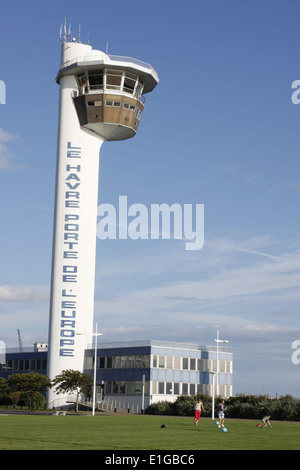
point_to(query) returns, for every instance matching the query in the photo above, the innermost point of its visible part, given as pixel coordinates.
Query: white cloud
(7, 158)
(235, 284)
(22, 294)
(256, 276)
(251, 246)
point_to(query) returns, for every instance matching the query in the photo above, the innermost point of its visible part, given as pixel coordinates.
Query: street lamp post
(95, 370)
(218, 341)
(213, 396)
(143, 393)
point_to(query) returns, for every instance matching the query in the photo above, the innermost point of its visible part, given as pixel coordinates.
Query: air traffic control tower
(101, 99)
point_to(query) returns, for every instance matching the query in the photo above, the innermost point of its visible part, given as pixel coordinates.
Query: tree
(73, 381)
(15, 397)
(29, 385)
(4, 387)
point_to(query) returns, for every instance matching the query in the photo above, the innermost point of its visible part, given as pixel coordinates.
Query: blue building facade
(158, 371)
(138, 373)
(18, 361)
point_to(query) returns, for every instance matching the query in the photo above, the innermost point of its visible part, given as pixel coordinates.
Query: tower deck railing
(114, 58)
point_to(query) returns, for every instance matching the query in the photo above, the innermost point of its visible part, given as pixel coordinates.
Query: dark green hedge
(284, 408)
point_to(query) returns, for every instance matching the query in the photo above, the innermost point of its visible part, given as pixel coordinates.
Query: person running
(198, 408)
(221, 415)
(266, 415)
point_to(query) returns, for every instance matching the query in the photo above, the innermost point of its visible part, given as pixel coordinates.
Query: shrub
(184, 405)
(241, 406)
(159, 408)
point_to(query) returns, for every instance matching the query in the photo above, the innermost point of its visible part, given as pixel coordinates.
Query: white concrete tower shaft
(100, 99)
(74, 238)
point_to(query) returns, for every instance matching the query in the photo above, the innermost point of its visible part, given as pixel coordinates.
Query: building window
(192, 364)
(129, 82)
(101, 362)
(115, 104)
(169, 362)
(113, 79)
(161, 362)
(123, 362)
(177, 363)
(109, 362)
(154, 388)
(82, 80)
(176, 388)
(130, 362)
(192, 389)
(154, 361)
(116, 362)
(185, 389)
(161, 388)
(169, 388)
(138, 114)
(138, 362)
(110, 79)
(129, 106)
(88, 363)
(185, 363)
(139, 89)
(146, 361)
(95, 80)
(137, 387)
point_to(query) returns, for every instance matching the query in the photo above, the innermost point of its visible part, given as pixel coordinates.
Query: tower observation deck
(109, 92)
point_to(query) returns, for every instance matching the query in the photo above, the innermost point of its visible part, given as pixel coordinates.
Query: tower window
(95, 80)
(138, 114)
(82, 80)
(98, 81)
(129, 84)
(129, 106)
(113, 79)
(116, 104)
(139, 89)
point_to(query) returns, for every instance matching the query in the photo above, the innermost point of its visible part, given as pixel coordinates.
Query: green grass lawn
(132, 432)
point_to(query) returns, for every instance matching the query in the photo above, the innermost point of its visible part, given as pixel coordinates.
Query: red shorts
(197, 414)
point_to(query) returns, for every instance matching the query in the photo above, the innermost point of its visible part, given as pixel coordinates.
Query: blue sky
(220, 129)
